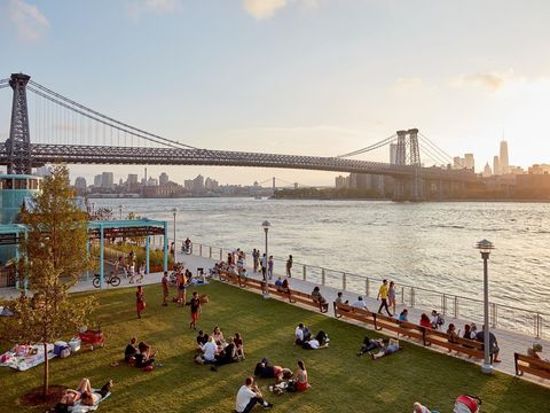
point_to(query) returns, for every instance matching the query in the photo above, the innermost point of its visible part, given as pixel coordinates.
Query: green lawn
(341, 382)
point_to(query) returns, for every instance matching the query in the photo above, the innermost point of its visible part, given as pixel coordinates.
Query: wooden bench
(357, 314)
(471, 348)
(232, 278)
(300, 297)
(401, 328)
(531, 365)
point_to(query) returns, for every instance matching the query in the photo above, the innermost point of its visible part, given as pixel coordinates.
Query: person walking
(255, 259)
(140, 301)
(270, 267)
(289, 266)
(195, 305)
(391, 296)
(383, 296)
(165, 291)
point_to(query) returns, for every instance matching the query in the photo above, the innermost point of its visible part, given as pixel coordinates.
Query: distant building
(487, 171)
(496, 165)
(163, 179)
(458, 162)
(539, 169)
(469, 162)
(504, 162)
(107, 180)
(170, 190)
(152, 182)
(198, 184)
(97, 181)
(393, 153)
(341, 182)
(80, 185)
(132, 183)
(211, 184)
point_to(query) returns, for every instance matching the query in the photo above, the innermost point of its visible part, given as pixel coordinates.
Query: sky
(315, 77)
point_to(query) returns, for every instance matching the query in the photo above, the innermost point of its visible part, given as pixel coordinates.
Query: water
(429, 245)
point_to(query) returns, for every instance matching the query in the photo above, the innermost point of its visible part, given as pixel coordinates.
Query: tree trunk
(46, 370)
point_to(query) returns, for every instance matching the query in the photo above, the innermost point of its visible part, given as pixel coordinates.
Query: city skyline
(311, 77)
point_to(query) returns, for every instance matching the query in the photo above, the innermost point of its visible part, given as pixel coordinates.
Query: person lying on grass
(265, 370)
(83, 393)
(321, 340)
(226, 356)
(389, 346)
(369, 345)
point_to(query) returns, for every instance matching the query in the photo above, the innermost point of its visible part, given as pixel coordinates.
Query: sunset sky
(316, 77)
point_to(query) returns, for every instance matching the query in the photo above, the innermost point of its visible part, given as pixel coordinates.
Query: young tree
(53, 258)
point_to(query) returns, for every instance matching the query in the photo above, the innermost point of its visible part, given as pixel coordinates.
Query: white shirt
(244, 395)
(209, 350)
(299, 333)
(314, 344)
(264, 261)
(360, 304)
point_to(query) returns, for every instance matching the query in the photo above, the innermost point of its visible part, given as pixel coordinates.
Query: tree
(53, 258)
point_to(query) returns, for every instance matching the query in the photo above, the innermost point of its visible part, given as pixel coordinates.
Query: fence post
(304, 271)
(412, 297)
(494, 311)
(210, 252)
(200, 250)
(221, 254)
(538, 325)
(444, 304)
(402, 295)
(344, 282)
(367, 287)
(323, 277)
(456, 307)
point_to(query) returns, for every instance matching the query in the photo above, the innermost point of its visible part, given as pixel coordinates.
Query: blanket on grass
(28, 359)
(80, 408)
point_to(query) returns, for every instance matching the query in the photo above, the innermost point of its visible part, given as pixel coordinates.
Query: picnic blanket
(28, 359)
(81, 408)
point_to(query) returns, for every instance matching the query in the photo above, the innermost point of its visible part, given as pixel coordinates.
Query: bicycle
(112, 279)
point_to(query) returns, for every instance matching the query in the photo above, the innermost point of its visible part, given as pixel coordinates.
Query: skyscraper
(469, 162)
(496, 165)
(504, 162)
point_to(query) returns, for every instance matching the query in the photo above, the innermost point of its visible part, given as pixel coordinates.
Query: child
(165, 291)
(140, 301)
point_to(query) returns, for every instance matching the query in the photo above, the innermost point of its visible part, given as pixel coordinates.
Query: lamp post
(265, 226)
(174, 212)
(120, 211)
(485, 248)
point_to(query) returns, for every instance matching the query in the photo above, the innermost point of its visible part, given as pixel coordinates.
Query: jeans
(384, 304)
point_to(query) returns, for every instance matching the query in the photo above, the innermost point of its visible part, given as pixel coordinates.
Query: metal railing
(454, 306)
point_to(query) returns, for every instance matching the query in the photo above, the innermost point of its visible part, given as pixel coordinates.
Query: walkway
(508, 341)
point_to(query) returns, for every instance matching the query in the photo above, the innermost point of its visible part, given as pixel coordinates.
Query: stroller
(467, 404)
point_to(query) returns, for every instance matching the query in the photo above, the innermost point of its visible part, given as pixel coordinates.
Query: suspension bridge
(65, 131)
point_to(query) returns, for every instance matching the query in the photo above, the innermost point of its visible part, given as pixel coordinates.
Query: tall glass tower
(504, 163)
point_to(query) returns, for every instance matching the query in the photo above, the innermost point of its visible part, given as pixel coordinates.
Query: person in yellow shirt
(383, 296)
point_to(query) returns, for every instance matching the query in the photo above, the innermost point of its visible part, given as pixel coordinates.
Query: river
(428, 245)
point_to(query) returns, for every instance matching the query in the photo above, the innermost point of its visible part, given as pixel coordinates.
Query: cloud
(492, 81)
(407, 83)
(264, 9)
(138, 7)
(28, 20)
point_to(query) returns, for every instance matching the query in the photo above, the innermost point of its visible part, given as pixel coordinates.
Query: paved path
(508, 341)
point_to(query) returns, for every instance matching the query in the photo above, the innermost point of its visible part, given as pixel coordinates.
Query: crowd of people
(216, 350)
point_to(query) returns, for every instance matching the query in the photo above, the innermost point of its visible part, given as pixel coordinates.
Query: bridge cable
(67, 106)
(369, 148)
(437, 148)
(100, 115)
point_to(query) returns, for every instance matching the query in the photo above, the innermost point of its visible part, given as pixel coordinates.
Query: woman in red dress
(140, 301)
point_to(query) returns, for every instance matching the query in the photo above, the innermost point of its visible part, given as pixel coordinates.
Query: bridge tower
(18, 145)
(401, 151)
(408, 154)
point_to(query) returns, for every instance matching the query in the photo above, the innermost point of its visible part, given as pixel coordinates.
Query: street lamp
(265, 226)
(174, 212)
(485, 248)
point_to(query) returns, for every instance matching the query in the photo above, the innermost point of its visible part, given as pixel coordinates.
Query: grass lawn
(341, 382)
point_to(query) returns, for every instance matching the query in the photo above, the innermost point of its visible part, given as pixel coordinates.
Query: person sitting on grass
(389, 346)
(84, 393)
(301, 334)
(318, 298)
(301, 378)
(265, 370)
(248, 396)
(145, 357)
(209, 352)
(226, 356)
(239, 345)
(368, 345)
(202, 339)
(320, 341)
(218, 336)
(130, 351)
